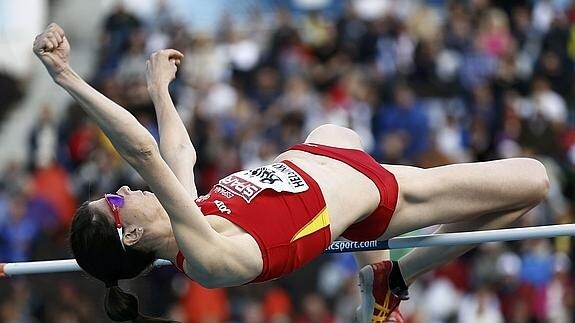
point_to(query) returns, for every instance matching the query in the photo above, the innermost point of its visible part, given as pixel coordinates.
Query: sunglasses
(116, 202)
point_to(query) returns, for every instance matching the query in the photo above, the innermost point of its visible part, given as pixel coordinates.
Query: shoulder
(237, 262)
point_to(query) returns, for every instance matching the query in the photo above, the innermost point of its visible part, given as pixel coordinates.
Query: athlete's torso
(281, 207)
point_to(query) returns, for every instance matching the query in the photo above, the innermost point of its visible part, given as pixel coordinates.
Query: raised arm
(175, 144)
(136, 145)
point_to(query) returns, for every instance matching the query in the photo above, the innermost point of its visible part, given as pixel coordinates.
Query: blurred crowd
(424, 83)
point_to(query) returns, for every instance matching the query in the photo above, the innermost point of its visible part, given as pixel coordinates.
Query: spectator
(481, 306)
(18, 232)
(117, 29)
(406, 119)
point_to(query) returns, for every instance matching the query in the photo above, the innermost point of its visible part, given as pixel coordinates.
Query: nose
(123, 190)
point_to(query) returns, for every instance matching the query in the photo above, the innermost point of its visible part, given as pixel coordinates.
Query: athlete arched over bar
(264, 223)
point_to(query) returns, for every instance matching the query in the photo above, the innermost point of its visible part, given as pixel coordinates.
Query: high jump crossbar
(431, 240)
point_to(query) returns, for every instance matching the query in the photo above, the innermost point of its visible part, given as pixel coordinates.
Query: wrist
(158, 90)
(63, 75)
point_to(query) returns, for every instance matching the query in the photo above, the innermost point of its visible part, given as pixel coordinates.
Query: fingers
(50, 42)
(168, 54)
(50, 39)
(175, 61)
(58, 37)
(171, 53)
(176, 54)
(36, 47)
(55, 28)
(55, 34)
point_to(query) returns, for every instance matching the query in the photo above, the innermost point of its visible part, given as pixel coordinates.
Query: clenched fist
(53, 49)
(161, 68)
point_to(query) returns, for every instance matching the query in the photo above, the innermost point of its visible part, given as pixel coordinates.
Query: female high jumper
(261, 224)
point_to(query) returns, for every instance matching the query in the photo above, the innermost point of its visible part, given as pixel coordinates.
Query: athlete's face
(140, 208)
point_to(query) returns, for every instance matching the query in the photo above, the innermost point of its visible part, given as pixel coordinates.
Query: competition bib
(249, 183)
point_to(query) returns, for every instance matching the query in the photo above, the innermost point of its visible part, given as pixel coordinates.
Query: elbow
(142, 152)
(147, 151)
(177, 151)
(187, 149)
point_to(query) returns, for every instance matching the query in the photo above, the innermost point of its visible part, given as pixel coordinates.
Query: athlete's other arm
(175, 145)
(210, 255)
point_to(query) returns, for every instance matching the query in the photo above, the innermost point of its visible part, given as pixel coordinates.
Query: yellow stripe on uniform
(320, 221)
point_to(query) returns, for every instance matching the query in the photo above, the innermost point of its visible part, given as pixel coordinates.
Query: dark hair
(97, 249)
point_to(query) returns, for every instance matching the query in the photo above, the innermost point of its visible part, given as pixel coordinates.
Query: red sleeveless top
(281, 207)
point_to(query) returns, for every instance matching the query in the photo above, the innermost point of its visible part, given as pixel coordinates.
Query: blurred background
(424, 83)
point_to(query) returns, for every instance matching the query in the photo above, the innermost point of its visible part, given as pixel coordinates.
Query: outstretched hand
(161, 68)
(53, 49)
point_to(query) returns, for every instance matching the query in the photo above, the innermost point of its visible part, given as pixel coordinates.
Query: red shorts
(376, 223)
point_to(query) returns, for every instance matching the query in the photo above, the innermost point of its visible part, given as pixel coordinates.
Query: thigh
(335, 136)
(460, 192)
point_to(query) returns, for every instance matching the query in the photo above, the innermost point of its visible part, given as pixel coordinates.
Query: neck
(162, 239)
(168, 248)
(159, 237)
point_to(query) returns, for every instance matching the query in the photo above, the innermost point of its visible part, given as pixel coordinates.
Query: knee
(537, 179)
(329, 129)
(336, 136)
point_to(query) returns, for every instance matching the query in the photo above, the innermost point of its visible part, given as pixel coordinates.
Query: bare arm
(138, 148)
(175, 144)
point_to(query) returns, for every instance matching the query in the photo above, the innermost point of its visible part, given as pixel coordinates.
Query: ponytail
(121, 306)
(97, 250)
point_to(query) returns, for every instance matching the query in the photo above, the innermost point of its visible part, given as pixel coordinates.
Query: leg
(467, 197)
(422, 260)
(462, 192)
